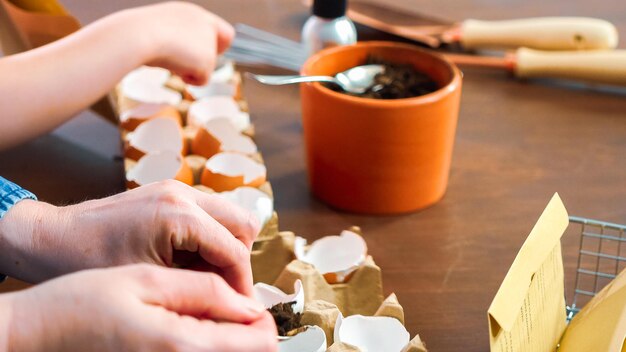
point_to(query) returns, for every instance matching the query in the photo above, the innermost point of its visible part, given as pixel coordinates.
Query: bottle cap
(329, 8)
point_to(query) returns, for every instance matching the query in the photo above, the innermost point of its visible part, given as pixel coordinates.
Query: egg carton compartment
(274, 261)
(271, 253)
(390, 308)
(362, 294)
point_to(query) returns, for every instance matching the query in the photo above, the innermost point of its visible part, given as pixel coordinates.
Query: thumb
(201, 295)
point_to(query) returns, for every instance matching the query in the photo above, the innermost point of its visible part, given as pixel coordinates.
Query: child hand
(179, 36)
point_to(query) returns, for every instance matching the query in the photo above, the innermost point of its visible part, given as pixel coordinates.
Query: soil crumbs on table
(287, 322)
(397, 82)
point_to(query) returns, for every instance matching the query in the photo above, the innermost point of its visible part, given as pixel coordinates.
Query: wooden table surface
(517, 143)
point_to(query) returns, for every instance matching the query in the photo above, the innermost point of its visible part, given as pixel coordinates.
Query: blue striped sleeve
(11, 194)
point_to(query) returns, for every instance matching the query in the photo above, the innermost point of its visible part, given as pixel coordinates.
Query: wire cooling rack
(601, 256)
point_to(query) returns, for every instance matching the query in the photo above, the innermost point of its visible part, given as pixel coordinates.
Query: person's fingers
(207, 335)
(217, 246)
(201, 66)
(196, 78)
(225, 33)
(244, 338)
(239, 221)
(201, 295)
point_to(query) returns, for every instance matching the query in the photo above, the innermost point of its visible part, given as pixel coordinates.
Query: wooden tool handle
(602, 66)
(545, 33)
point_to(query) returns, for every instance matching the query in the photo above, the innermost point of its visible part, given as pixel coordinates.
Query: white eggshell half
(252, 199)
(157, 135)
(147, 85)
(312, 339)
(230, 138)
(155, 167)
(146, 75)
(371, 334)
(220, 106)
(334, 254)
(142, 111)
(221, 83)
(270, 295)
(234, 164)
(225, 70)
(212, 89)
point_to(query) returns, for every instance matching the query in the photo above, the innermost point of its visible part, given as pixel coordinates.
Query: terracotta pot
(379, 156)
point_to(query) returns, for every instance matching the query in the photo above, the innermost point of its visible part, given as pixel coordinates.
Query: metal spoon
(355, 80)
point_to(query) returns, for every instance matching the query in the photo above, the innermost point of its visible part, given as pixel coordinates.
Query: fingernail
(254, 306)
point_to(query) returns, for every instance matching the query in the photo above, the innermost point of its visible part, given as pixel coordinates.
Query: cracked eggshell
(220, 106)
(371, 333)
(132, 118)
(219, 135)
(270, 296)
(335, 257)
(159, 166)
(147, 85)
(222, 82)
(227, 171)
(157, 135)
(225, 70)
(252, 199)
(312, 339)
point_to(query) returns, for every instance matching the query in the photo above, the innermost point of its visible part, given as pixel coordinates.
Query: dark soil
(399, 81)
(286, 320)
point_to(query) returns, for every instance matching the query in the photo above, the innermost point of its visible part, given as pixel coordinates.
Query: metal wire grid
(602, 255)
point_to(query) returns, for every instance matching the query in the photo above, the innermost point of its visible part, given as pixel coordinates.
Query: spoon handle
(280, 80)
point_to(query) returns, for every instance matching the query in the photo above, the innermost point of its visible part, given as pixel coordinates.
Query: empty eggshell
(227, 171)
(157, 135)
(196, 163)
(371, 333)
(219, 106)
(225, 70)
(270, 296)
(252, 199)
(312, 339)
(131, 119)
(160, 166)
(335, 257)
(222, 82)
(219, 135)
(147, 85)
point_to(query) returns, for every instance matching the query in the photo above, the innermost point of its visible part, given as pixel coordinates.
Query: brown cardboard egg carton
(274, 262)
(324, 315)
(273, 259)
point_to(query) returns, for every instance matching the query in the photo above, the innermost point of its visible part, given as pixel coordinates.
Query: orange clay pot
(379, 156)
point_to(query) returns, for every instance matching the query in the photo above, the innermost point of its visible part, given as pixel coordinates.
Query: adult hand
(136, 308)
(150, 224)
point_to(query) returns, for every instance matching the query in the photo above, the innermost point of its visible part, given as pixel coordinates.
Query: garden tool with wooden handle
(544, 33)
(599, 66)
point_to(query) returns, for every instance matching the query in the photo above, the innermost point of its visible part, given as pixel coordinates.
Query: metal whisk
(257, 47)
